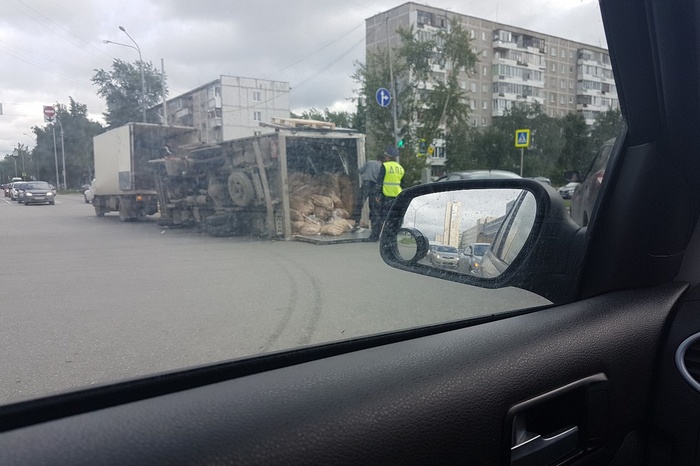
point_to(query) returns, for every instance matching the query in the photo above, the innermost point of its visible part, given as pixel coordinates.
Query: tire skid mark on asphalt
(315, 316)
(291, 307)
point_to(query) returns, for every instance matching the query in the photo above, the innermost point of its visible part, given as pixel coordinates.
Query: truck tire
(99, 211)
(125, 214)
(240, 188)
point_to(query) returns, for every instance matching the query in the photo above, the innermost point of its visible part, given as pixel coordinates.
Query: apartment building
(514, 65)
(230, 107)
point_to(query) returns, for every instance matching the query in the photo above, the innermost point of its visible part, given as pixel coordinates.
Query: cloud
(50, 49)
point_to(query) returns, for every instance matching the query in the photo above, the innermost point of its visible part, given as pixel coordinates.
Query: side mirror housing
(533, 243)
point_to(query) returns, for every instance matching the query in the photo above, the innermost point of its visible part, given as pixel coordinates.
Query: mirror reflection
(475, 232)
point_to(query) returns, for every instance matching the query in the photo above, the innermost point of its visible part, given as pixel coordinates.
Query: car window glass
(218, 210)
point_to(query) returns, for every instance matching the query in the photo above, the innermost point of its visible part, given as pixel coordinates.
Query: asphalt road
(90, 300)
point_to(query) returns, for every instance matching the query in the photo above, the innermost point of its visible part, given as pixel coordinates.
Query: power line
(328, 66)
(49, 20)
(315, 51)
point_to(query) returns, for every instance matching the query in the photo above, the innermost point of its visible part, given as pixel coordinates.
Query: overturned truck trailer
(294, 182)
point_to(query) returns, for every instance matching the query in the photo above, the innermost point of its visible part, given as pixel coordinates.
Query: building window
(571, 54)
(563, 53)
(571, 100)
(257, 116)
(257, 96)
(462, 85)
(472, 34)
(483, 122)
(571, 84)
(484, 88)
(562, 84)
(485, 71)
(474, 123)
(553, 51)
(553, 97)
(473, 87)
(563, 69)
(485, 105)
(554, 67)
(483, 35)
(484, 54)
(472, 104)
(561, 100)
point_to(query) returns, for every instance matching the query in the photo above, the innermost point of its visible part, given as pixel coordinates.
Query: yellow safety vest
(392, 179)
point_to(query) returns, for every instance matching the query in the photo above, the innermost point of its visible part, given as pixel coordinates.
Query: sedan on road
(16, 190)
(445, 256)
(38, 192)
(567, 190)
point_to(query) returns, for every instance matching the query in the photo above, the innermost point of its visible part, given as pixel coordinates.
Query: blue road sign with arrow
(383, 97)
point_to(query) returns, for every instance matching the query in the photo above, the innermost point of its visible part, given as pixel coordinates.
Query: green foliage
(426, 108)
(341, 119)
(78, 132)
(121, 89)
(558, 144)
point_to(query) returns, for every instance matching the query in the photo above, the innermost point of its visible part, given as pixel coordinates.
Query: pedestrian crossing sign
(522, 138)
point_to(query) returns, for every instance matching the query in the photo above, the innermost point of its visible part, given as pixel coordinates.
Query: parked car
(477, 175)
(471, 258)
(89, 192)
(542, 179)
(37, 192)
(585, 195)
(568, 189)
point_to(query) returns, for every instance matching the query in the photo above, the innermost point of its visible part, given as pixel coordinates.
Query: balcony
(181, 113)
(215, 122)
(215, 102)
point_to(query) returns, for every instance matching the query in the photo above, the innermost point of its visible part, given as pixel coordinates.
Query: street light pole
(143, 81)
(55, 154)
(63, 154)
(35, 156)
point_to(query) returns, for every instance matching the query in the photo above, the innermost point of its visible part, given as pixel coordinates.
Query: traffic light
(401, 143)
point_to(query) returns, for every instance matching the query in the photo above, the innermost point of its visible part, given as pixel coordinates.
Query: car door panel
(441, 398)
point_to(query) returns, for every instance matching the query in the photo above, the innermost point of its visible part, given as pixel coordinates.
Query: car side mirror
(531, 236)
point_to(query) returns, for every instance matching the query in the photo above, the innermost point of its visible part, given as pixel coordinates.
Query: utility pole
(55, 154)
(63, 155)
(392, 88)
(162, 81)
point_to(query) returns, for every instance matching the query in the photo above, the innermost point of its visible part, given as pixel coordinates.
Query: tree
(78, 132)
(121, 89)
(607, 125)
(427, 109)
(578, 146)
(342, 119)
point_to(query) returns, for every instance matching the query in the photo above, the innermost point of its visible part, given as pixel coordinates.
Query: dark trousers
(384, 204)
(366, 192)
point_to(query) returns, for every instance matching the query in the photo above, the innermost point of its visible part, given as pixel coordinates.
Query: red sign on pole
(49, 114)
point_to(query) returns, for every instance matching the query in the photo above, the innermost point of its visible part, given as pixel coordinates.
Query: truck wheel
(99, 211)
(240, 188)
(124, 211)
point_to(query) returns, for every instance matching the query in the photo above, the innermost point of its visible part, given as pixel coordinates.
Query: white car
(567, 190)
(89, 193)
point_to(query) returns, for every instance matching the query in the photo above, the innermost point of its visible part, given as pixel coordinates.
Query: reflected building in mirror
(453, 219)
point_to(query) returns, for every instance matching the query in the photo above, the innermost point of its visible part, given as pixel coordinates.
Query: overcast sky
(50, 49)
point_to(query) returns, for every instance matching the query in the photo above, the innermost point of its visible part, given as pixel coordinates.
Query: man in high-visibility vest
(390, 177)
